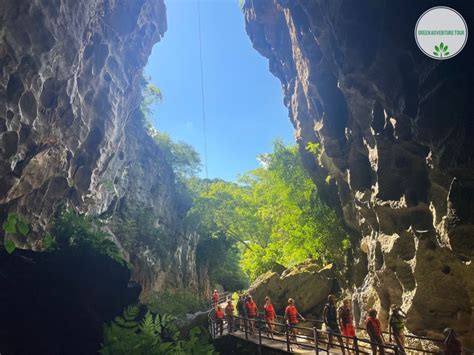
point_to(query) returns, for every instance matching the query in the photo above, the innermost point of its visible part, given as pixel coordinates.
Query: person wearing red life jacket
(215, 298)
(220, 319)
(252, 313)
(374, 329)
(346, 322)
(269, 316)
(291, 316)
(229, 312)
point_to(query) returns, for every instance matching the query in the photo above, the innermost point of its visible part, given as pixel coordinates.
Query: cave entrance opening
(243, 112)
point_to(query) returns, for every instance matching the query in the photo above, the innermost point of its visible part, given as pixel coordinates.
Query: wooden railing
(212, 314)
(310, 337)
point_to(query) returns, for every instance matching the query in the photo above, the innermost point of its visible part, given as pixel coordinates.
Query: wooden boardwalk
(308, 337)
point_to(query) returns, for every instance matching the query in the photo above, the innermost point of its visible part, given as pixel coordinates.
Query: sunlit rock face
(395, 129)
(306, 283)
(70, 128)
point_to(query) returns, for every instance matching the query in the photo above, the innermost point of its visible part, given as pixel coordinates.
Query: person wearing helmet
(269, 316)
(229, 312)
(215, 298)
(291, 316)
(252, 313)
(374, 329)
(396, 327)
(220, 319)
(346, 321)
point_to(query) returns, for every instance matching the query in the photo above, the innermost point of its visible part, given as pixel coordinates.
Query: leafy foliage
(223, 261)
(221, 230)
(49, 243)
(151, 95)
(14, 225)
(177, 302)
(273, 214)
(140, 228)
(73, 230)
(182, 157)
(9, 246)
(153, 334)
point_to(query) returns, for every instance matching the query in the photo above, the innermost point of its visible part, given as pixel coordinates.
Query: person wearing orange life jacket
(215, 298)
(374, 329)
(291, 316)
(252, 313)
(229, 312)
(269, 316)
(220, 319)
(346, 320)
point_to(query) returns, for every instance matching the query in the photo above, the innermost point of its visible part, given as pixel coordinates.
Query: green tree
(73, 230)
(181, 156)
(273, 214)
(151, 95)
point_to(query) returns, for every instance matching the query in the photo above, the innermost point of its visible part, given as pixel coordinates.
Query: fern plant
(152, 335)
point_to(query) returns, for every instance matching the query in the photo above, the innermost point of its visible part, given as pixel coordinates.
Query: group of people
(338, 321)
(248, 314)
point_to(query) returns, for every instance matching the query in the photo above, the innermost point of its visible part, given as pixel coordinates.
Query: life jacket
(251, 309)
(291, 314)
(219, 314)
(346, 315)
(374, 323)
(331, 313)
(229, 309)
(215, 297)
(269, 311)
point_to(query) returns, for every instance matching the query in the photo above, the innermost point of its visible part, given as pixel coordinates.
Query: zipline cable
(202, 89)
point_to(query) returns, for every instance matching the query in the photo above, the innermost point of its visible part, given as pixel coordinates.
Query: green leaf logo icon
(441, 50)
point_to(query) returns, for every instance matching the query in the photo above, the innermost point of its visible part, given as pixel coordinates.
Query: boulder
(307, 284)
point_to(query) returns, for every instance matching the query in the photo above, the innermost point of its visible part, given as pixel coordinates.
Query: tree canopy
(273, 213)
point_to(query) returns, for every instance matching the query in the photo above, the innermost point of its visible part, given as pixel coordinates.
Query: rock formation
(395, 130)
(71, 129)
(306, 283)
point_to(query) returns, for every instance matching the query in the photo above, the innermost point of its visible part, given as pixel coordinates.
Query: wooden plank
(281, 345)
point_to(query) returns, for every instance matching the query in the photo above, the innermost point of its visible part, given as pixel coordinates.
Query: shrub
(73, 230)
(177, 302)
(152, 334)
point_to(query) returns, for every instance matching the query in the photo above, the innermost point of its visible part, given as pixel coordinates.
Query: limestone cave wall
(395, 130)
(71, 129)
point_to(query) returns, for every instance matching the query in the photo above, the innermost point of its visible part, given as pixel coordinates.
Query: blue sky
(243, 100)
